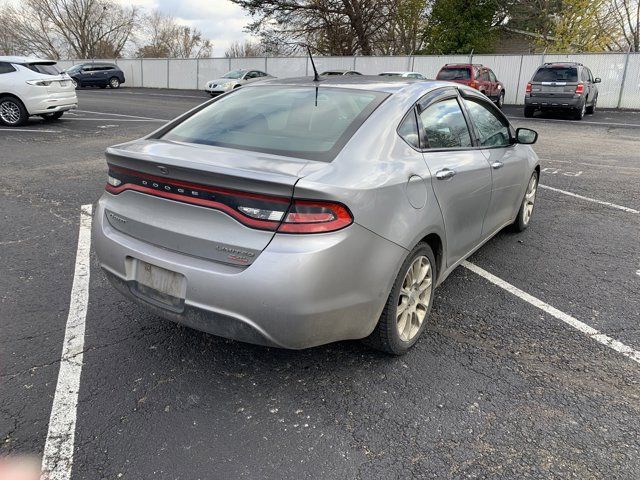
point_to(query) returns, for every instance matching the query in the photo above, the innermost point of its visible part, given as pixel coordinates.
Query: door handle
(497, 165)
(445, 174)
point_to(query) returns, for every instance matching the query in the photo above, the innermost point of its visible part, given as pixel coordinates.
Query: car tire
(12, 112)
(114, 82)
(50, 117)
(76, 84)
(528, 112)
(526, 206)
(500, 102)
(397, 331)
(592, 109)
(578, 114)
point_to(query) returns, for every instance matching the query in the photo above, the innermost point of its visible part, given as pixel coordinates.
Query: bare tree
(245, 49)
(626, 14)
(164, 37)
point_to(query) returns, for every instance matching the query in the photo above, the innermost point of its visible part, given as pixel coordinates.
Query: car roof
(561, 64)
(16, 59)
(362, 82)
(462, 65)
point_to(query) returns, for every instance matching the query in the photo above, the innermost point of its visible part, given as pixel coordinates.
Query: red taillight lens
(307, 216)
(528, 89)
(579, 88)
(473, 84)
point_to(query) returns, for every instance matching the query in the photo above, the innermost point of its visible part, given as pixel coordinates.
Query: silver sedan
(294, 213)
(234, 79)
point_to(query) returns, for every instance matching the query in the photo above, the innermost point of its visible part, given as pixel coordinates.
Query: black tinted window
(493, 131)
(47, 69)
(556, 74)
(6, 68)
(454, 74)
(408, 130)
(294, 121)
(445, 126)
(492, 76)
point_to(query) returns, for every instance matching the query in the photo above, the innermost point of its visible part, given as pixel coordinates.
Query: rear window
(461, 73)
(303, 122)
(556, 74)
(46, 68)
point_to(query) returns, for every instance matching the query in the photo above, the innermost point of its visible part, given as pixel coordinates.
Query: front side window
(493, 131)
(302, 122)
(492, 76)
(6, 68)
(556, 74)
(445, 126)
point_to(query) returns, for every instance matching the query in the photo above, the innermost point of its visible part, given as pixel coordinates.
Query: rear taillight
(264, 212)
(308, 216)
(473, 84)
(579, 89)
(528, 89)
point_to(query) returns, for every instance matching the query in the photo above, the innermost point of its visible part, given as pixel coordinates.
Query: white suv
(29, 86)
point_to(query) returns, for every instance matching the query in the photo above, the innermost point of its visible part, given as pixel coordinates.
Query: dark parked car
(101, 75)
(476, 76)
(565, 86)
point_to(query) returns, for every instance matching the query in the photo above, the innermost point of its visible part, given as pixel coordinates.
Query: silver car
(234, 79)
(294, 213)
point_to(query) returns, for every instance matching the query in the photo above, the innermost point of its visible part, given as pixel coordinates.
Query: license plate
(159, 285)
(64, 83)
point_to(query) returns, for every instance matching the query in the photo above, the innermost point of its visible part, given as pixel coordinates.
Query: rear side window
(408, 130)
(493, 131)
(556, 74)
(461, 73)
(6, 68)
(445, 126)
(45, 68)
(304, 122)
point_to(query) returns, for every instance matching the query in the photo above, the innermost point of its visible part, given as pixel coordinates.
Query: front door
(506, 160)
(460, 174)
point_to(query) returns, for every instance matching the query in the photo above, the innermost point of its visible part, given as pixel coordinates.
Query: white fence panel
(183, 73)
(376, 65)
(132, 71)
(155, 73)
(249, 63)
(284, 67)
(630, 97)
(211, 69)
(64, 64)
(330, 63)
(507, 70)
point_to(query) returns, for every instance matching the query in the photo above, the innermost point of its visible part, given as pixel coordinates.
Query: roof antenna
(316, 77)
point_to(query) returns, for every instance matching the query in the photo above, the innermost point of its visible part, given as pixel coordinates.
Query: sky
(219, 20)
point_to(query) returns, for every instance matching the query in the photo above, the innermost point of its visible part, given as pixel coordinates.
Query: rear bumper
(51, 103)
(301, 291)
(549, 102)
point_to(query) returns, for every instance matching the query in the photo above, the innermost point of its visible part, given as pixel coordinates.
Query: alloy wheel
(10, 112)
(529, 199)
(414, 298)
(114, 82)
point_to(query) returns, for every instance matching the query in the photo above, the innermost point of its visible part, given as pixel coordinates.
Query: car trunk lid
(212, 202)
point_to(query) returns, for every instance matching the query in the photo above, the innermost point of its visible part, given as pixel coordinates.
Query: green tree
(459, 26)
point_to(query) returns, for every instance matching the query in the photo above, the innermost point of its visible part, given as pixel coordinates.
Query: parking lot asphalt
(496, 388)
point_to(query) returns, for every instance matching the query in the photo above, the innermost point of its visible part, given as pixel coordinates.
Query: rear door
(507, 162)
(461, 176)
(554, 82)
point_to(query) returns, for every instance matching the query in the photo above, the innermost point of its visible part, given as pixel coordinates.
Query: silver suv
(567, 86)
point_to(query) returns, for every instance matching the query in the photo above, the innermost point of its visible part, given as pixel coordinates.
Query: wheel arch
(437, 247)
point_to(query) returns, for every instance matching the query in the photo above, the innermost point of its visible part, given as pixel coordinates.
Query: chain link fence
(620, 72)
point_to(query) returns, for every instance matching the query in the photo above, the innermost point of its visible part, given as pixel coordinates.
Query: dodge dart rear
(291, 213)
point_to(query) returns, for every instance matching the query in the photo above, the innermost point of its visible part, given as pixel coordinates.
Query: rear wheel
(526, 207)
(114, 82)
(12, 112)
(49, 117)
(500, 101)
(75, 83)
(528, 112)
(578, 114)
(406, 312)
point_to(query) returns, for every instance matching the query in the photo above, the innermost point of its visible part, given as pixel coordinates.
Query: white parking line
(158, 95)
(28, 130)
(581, 197)
(568, 319)
(57, 459)
(78, 119)
(577, 122)
(123, 115)
(590, 164)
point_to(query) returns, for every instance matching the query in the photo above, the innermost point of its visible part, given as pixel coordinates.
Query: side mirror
(597, 80)
(526, 136)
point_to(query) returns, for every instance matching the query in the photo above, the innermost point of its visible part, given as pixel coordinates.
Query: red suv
(476, 76)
